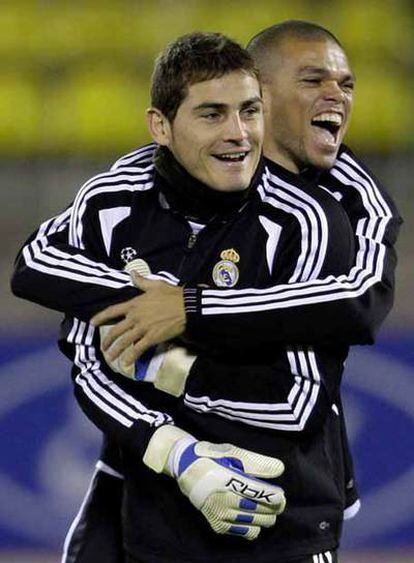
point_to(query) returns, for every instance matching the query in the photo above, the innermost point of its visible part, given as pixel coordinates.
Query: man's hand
(155, 316)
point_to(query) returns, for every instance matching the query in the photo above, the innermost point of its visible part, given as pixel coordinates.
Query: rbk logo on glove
(241, 488)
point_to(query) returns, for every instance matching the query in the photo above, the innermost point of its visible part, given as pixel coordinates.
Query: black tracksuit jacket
(275, 292)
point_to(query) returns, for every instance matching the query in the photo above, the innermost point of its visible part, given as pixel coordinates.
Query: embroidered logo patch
(225, 272)
(128, 254)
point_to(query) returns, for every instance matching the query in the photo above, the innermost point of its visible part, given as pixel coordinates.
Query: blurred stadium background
(73, 88)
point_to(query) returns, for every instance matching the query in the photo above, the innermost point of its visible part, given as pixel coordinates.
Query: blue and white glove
(165, 366)
(223, 481)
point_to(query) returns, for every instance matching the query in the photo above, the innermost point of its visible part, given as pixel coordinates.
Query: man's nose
(236, 129)
(333, 91)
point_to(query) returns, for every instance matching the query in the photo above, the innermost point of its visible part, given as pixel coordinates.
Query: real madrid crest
(225, 272)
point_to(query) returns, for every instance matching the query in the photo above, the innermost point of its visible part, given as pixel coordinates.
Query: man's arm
(347, 308)
(64, 265)
(292, 393)
(52, 273)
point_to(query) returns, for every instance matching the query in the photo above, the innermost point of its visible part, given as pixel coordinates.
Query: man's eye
(348, 86)
(211, 116)
(251, 111)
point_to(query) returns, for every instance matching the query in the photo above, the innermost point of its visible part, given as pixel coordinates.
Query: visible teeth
(232, 156)
(334, 118)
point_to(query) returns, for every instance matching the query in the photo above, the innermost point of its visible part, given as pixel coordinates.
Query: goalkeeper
(214, 101)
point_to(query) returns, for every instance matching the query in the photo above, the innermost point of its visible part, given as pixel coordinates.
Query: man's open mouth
(232, 157)
(330, 122)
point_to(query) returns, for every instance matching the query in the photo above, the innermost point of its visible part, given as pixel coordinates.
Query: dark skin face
(307, 91)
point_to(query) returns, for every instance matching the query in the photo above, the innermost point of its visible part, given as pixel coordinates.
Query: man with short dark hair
(308, 411)
(210, 149)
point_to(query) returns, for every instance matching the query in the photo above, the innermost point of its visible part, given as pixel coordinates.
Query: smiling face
(307, 92)
(217, 133)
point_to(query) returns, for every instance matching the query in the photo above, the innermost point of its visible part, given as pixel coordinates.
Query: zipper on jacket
(192, 239)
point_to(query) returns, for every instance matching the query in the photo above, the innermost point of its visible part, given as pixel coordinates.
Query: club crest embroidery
(226, 272)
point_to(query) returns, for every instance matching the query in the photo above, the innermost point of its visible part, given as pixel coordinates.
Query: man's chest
(258, 247)
(247, 249)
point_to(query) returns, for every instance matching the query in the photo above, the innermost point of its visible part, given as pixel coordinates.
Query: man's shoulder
(139, 157)
(289, 192)
(354, 184)
(117, 185)
(348, 166)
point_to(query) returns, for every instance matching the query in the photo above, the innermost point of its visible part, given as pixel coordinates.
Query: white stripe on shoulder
(114, 183)
(311, 218)
(143, 154)
(55, 224)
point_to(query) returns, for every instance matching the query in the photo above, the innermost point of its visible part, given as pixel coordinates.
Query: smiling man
(213, 133)
(207, 118)
(278, 281)
(308, 94)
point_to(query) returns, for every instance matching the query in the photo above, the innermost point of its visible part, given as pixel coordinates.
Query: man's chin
(324, 161)
(234, 184)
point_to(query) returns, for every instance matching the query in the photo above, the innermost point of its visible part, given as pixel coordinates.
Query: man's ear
(158, 126)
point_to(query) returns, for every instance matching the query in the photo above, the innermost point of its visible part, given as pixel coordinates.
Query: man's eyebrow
(251, 101)
(220, 106)
(323, 71)
(210, 105)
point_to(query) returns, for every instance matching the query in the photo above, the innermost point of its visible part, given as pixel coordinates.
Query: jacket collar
(190, 197)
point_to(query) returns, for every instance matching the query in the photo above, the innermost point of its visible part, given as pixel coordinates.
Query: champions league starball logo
(128, 254)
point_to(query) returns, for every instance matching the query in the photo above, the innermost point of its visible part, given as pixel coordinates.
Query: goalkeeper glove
(221, 480)
(165, 366)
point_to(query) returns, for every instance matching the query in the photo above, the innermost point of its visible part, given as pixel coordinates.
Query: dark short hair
(193, 58)
(273, 36)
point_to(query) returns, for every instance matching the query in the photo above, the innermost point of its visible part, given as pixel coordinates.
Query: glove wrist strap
(173, 464)
(161, 445)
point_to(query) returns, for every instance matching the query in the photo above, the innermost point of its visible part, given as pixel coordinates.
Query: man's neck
(282, 160)
(307, 174)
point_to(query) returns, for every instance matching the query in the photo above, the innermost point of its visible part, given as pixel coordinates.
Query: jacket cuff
(192, 306)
